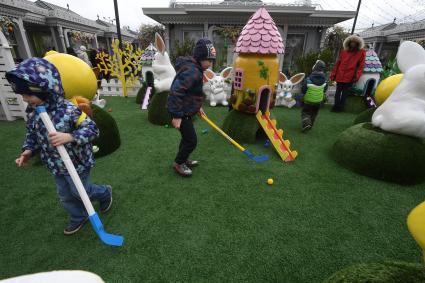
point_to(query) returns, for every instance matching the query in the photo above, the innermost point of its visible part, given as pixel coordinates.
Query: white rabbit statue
(97, 101)
(404, 111)
(284, 95)
(163, 71)
(215, 86)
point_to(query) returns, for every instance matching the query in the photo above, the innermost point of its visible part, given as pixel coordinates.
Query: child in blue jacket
(185, 100)
(39, 83)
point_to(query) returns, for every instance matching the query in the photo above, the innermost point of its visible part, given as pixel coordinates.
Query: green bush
(365, 116)
(157, 111)
(355, 104)
(141, 93)
(382, 155)
(386, 272)
(149, 81)
(306, 62)
(109, 138)
(242, 127)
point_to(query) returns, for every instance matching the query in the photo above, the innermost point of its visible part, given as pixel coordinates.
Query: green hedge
(386, 272)
(109, 138)
(365, 116)
(157, 111)
(355, 104)
(149, 81)
(241, 126)
(382, 155)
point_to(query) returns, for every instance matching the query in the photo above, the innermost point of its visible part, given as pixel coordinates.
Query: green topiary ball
(109, 138)
(355, 104)
(365, 116)
(141, 94)
(149, 81)
(157, 109)
(386, 272)
(241, 126)
(382, 155)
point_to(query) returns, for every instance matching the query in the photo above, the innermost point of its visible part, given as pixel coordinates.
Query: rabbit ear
(159, 43)
(208, 75)
(297, 78)
(282, 77)
(409, 55)
(226, 72)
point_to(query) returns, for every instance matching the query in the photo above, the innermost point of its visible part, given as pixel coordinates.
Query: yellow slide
(275, 136)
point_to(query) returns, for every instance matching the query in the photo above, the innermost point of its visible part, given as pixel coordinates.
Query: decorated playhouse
(256, 75)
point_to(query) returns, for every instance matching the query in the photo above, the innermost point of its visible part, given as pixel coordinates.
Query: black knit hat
(319, 66)
(204, 50)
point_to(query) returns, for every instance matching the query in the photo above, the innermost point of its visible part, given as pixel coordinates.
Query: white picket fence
(114, 88)
(12, 106)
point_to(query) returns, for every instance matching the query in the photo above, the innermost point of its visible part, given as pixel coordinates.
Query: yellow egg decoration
(77, 77)
(386, 87)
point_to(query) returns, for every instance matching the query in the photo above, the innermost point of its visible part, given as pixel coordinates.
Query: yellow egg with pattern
(386, 87)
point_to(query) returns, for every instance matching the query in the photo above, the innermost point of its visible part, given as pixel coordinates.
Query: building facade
(302, 26)
(385, 39)
(40, 26)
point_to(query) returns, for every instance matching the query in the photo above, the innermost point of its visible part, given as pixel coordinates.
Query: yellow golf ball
(270, 181)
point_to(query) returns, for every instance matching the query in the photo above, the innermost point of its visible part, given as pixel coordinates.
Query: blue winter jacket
(186, 94)
(64, 116)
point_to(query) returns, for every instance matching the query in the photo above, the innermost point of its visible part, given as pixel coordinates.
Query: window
(194, 35)
(294, 48)
(238, 82)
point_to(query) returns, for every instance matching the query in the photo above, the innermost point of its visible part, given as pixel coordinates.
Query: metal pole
(355, 19)
(117, 18)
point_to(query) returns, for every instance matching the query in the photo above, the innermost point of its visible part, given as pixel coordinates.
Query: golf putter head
(260, 158)
(108, 239)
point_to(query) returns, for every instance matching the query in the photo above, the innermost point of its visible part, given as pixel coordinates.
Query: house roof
(260, 35)
(50, 6)
(236, 13)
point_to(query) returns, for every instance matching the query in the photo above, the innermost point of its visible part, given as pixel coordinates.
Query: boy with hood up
(314, 89)
(348, 69)
(185, 100)
(38, 81)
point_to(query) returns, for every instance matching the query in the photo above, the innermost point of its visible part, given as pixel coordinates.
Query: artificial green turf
(222, 225)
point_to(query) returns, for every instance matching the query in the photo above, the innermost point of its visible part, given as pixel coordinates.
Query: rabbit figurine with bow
(404, 111)
(215, 87)
(285, 87)
(163, 71)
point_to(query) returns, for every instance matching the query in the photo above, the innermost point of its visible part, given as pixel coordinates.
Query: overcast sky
(371, 11)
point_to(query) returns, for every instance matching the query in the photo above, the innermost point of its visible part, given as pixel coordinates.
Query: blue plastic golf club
(256, 158)
(109, 239)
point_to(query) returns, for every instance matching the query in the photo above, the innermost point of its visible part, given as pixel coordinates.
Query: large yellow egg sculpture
(386, 87)
(77, 77)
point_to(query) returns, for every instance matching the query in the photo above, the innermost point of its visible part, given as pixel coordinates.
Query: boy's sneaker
(107, 203)
(182, 169)
(192, 163)
(73, 227)
(306, 128)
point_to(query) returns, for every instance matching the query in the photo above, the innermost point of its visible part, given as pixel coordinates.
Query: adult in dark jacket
(348, 69)
(185, 101)
(314, 89)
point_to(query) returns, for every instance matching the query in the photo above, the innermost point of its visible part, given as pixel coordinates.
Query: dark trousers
(309, 114)
(340, 96)
(188, 142)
